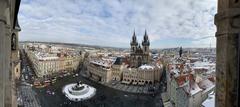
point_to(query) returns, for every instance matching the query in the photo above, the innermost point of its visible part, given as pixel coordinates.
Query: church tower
(134, 48)
(134, 43)
(146, 50)
(139, 54)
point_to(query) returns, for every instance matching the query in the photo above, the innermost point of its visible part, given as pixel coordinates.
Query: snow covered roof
(43, 56)
(106, 62)
(194, 88)
(206, 85)
(188, 83)
(101, 63)
(199, 64)
(48, 58)
(146, 67)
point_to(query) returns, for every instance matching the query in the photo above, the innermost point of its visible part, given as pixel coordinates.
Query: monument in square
(78, 91)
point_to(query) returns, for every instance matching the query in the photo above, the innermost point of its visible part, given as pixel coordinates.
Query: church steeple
(140, 53)
(134, 39)
(145, 41)
(145, 36)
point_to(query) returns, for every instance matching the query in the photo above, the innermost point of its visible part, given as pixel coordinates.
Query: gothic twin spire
(145, 41)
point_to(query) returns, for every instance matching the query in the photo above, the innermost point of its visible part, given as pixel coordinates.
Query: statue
(180, 52)
(79, 83)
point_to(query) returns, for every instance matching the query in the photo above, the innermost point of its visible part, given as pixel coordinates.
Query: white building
(48, 63)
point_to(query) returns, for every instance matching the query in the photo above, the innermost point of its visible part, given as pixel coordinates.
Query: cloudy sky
(169, 23)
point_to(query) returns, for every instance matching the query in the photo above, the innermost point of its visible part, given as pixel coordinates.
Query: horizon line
(104, 46)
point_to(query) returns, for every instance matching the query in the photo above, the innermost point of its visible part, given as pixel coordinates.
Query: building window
(14, 41)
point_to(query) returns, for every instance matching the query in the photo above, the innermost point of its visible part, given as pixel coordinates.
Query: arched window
(14, 41)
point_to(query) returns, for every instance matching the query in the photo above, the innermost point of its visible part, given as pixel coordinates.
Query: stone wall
(8, 17)
(227, 21)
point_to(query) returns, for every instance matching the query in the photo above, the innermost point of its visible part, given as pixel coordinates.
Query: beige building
(117, 72)
(105, 70)
(145, 74)
(100, 69)
(52, 63)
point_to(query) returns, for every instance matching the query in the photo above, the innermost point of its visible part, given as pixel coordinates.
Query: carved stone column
(227, 21)
(3, 53)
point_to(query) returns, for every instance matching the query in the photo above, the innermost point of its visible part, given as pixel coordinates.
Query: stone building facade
(140, 70)
(49, 64)
(227, 21)
(145, 74)
(117, 72)
(139, 55)
(15, 63)
(8, 59)
(100, 69)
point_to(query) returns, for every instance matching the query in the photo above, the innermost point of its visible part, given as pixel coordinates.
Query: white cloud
(112, 22)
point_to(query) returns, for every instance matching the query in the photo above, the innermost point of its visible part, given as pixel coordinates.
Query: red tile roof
(181, 79)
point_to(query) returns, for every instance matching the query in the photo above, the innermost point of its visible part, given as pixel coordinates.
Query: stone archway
(150, 82)
(146, 82)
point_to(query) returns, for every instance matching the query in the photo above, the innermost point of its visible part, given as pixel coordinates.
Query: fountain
(78, 91)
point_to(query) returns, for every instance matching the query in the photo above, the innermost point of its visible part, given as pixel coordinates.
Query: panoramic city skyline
(168, 23)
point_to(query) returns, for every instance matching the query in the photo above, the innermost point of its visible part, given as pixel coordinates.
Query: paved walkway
(105, 96)
(129, 88)
(28, 96)
(132, 88)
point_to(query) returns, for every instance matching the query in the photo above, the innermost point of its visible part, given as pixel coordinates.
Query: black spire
(180, 52)
(145, 41)
(145, 36)
(134, 39)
